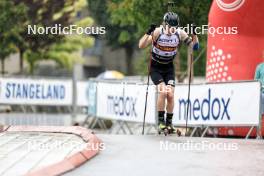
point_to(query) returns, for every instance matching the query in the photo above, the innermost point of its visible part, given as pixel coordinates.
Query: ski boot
(170, 126)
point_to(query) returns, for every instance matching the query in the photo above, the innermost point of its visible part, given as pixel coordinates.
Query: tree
(46, 13)
(118, 35)
(10, 22)
(65, 53)
(146, 12)
(127, 21)
(193, 11)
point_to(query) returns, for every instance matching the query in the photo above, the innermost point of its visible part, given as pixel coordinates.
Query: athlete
(165, 41)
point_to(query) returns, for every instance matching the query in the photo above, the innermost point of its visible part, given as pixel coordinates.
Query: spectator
(259, 75)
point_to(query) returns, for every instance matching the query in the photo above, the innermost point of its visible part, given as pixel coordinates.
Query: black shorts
(162, 73)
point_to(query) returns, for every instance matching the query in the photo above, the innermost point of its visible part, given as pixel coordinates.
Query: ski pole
(189, 85)
(194, 61)
(146, 98)
(189, 92)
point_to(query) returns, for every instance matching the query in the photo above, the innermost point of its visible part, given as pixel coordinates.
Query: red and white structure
(232, 57)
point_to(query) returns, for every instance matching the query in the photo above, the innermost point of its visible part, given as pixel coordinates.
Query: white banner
(218, 104)
(82, 93)
(125, 102)
(35, 91)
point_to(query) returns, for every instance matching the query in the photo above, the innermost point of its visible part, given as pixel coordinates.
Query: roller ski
(170, 126)
(172, 130)
(162, 129)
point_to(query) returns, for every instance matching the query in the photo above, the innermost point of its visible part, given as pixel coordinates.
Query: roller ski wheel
(171, 129)
(178, 132)
(163, 131)
(166, 132)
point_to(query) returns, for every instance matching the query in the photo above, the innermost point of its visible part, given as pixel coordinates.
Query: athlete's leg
(161, 104)
(170, 82)
(170, 106)
(170, 98)
(169, 79)
(158, 81)
(162, 95)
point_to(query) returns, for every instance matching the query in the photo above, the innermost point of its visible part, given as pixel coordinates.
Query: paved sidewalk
(132, 155)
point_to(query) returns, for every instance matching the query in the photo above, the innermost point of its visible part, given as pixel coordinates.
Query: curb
(69, 163)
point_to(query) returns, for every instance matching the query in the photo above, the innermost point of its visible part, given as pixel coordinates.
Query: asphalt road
(152, 155)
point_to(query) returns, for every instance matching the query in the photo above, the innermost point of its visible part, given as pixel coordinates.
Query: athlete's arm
(191, 42)
(147, 38)
(145, 41)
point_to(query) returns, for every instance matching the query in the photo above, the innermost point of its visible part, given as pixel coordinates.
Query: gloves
(152, 27)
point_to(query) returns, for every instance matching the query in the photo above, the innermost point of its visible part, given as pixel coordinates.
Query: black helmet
(171, 19)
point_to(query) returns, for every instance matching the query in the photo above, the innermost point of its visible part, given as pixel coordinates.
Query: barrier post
(259, 128)
(74, 94)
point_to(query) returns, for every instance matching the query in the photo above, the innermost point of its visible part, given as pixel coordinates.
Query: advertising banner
(125, 102)
(218, 104)
(35, 91)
